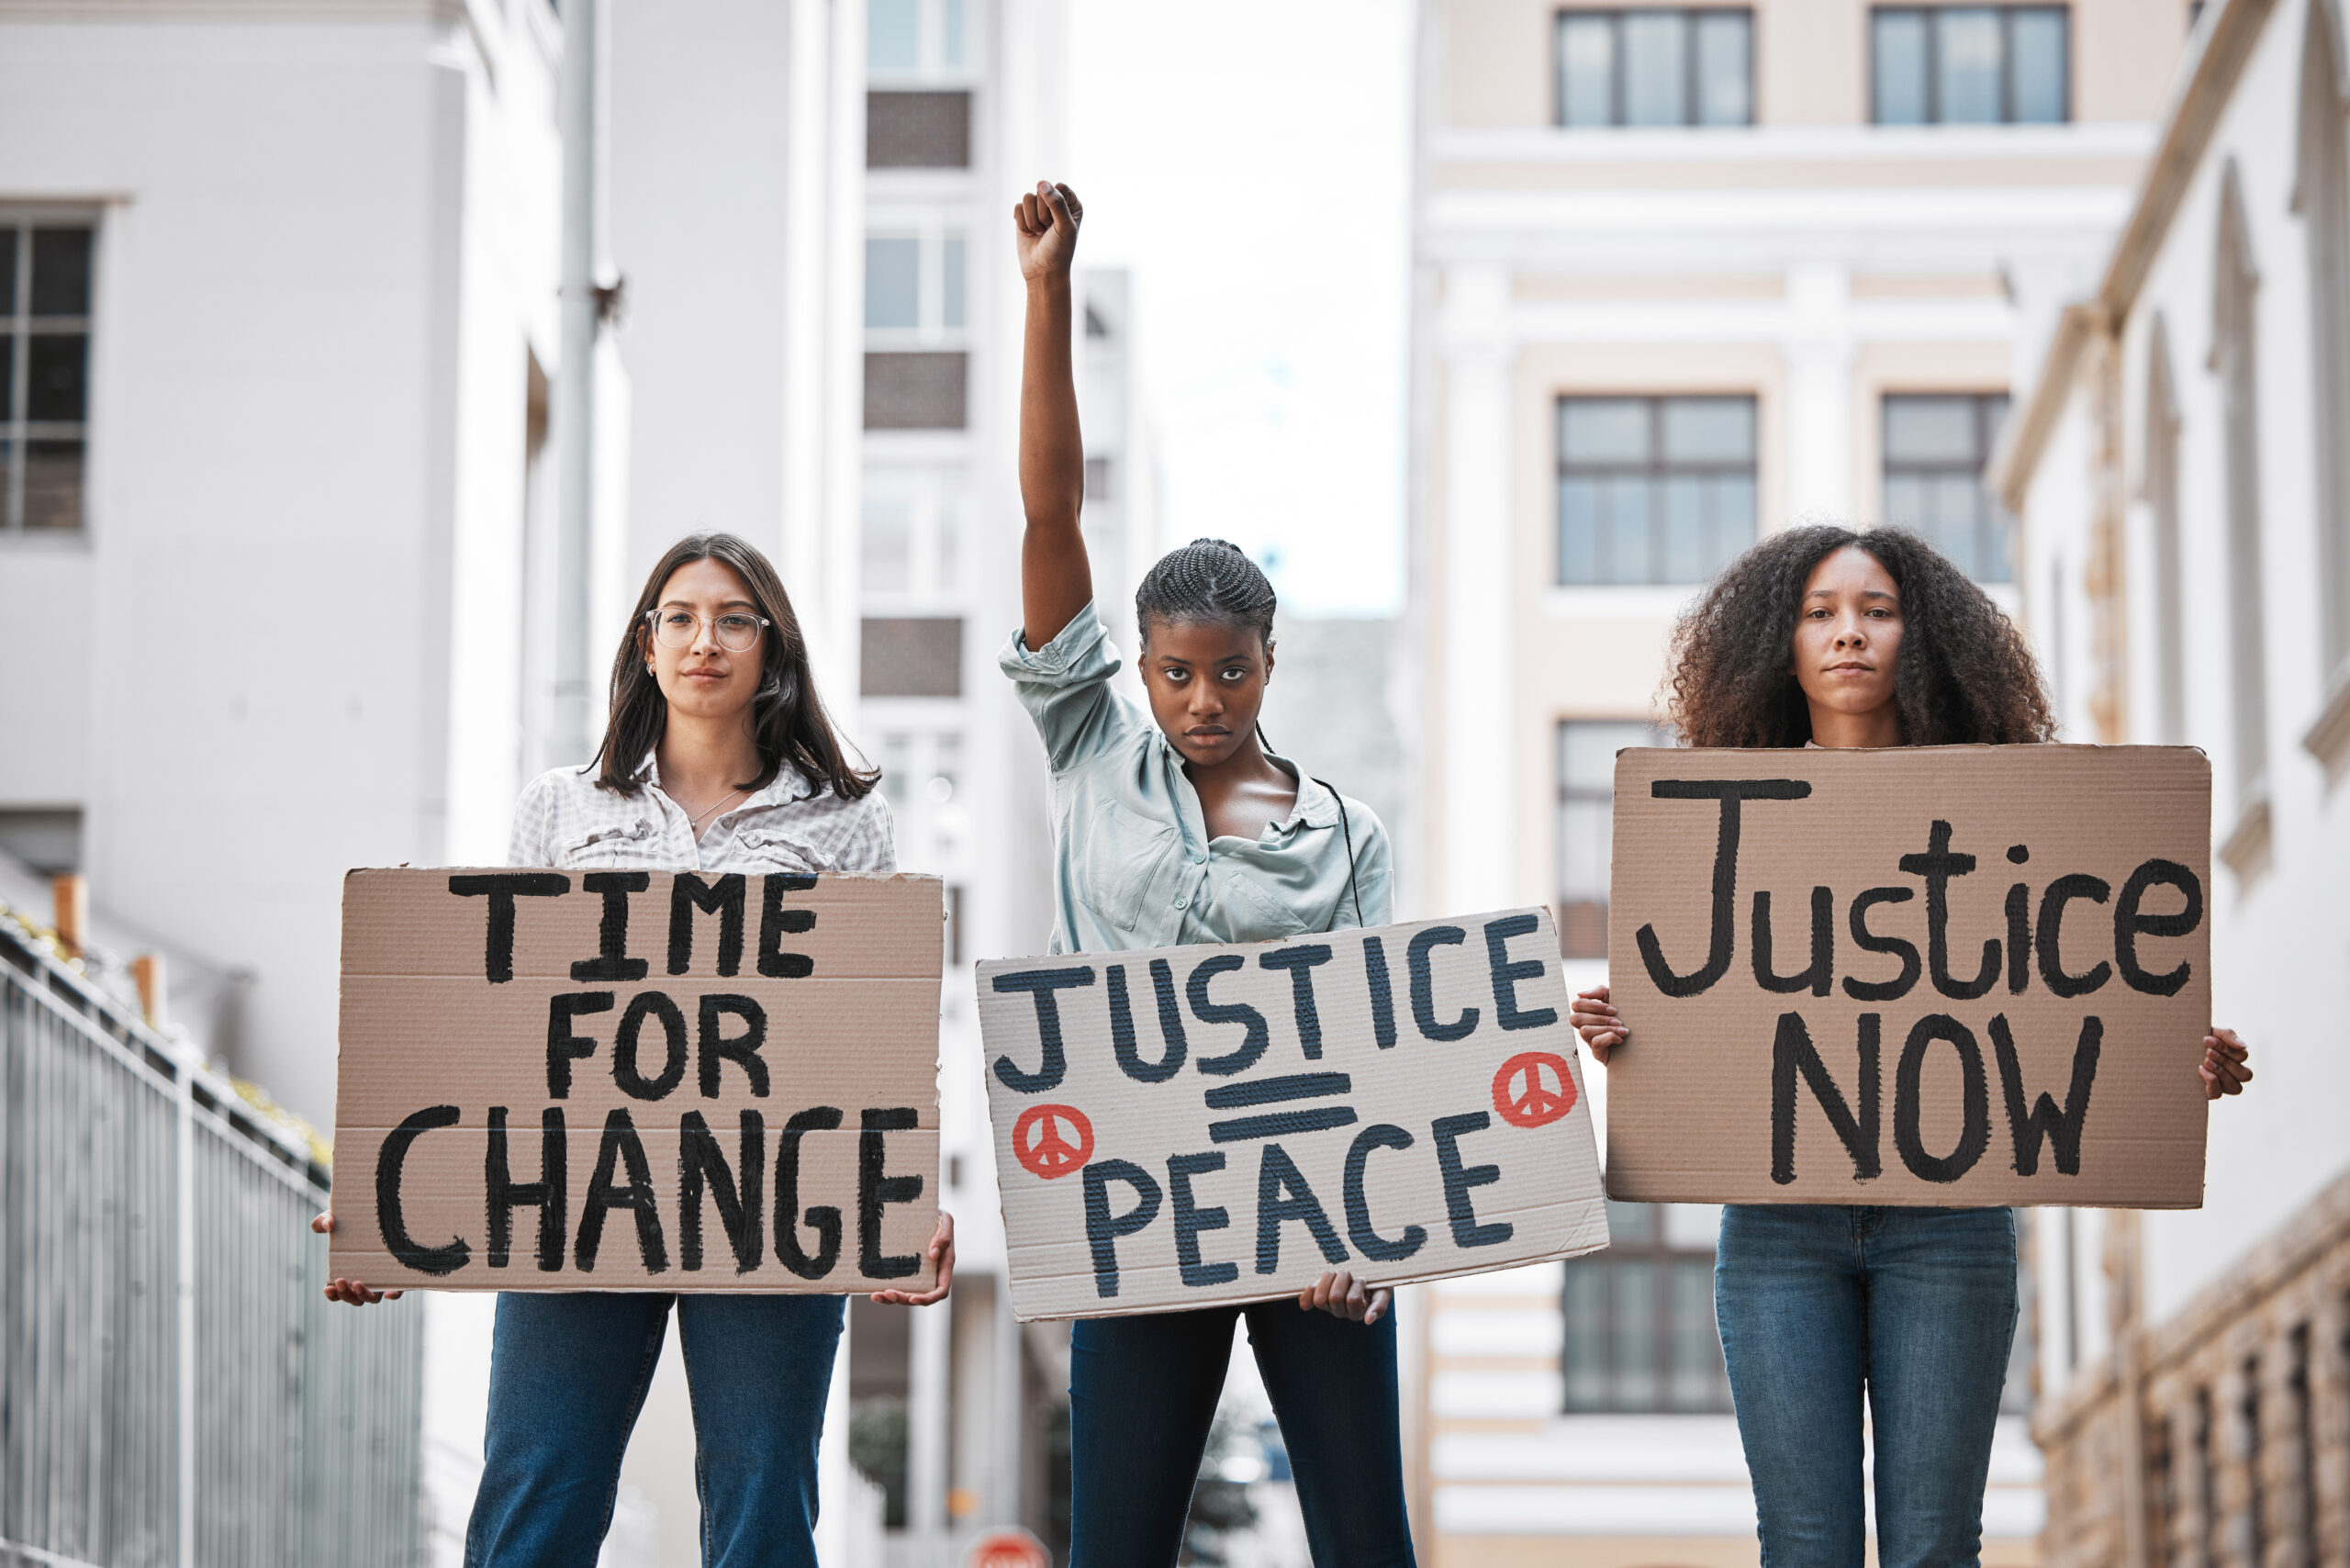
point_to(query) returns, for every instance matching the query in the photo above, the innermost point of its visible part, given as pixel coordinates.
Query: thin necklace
(694, 822)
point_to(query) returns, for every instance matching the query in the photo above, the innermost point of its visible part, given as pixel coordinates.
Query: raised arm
(1055, 580)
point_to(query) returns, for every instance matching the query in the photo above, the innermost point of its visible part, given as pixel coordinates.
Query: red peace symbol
(1533, 1089)
(1038, 1142)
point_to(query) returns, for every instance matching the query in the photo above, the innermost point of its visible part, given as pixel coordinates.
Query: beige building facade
(1685, 276)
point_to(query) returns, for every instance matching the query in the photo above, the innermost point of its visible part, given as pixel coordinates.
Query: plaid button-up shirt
(564, 820)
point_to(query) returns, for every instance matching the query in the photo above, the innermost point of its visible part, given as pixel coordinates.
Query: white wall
(2280, 947)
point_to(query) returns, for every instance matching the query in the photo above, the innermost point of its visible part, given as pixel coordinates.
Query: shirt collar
(787, 785)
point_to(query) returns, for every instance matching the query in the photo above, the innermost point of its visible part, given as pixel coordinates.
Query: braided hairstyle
(1208, 579)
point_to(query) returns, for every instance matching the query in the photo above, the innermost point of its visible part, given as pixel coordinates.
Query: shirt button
(1199, 860)
(1183, 904)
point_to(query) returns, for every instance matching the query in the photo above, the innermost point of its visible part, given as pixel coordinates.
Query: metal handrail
(175, 1389)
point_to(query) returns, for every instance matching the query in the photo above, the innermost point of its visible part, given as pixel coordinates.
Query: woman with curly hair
(1827, 637)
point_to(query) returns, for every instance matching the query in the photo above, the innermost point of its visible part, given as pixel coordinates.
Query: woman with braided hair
(1176, 826)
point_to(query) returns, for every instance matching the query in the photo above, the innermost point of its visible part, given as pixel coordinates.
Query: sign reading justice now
(1189, 1125)
(633, 1080)
(1947, 975)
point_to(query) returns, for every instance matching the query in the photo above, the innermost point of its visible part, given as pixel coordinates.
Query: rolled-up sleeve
(1065, 686)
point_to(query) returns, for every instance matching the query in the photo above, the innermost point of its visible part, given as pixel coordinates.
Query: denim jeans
(1916, 1305)
(567, 1375)
(1143, 1391)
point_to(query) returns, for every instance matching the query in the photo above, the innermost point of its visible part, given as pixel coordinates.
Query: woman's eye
(677, 618)
(733, 622)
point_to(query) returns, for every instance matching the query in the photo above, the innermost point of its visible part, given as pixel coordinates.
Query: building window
(913, 287)
(918, 130)
(1653, 489)
(911, 538)
(44, 375)
(1639, 1316)
(917, 40)
(2162, 502)
(1656, 68)
(2232, 338)
(1587, 826)
(911, 655)
(916, 391)
(1970, 65)
(2322, 198)
(1935, 447)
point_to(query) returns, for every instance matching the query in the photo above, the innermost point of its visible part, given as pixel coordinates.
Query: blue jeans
(1918, 1305)
(567, 1375)
(1143, 1391)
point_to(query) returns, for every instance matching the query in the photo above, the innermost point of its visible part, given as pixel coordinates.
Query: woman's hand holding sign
(940, 1252)
(1595, 1019)
(2223, 1067)
(1341, 1294)
(350, 1293)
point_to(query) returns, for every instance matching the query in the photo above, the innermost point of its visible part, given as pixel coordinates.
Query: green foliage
(877, 1446)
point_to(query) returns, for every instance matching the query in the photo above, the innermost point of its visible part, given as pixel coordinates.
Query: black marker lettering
(1417, 964)
(702, 1164)
(502, 888)
(1040, 984)
(1729, 792)
(1974, 1100)
(1508, 977)
(564, 1047)
(713, 1046)
(1282, 1195)
(2062, 1129)
(391, 1159)
(1300, 963)
(1822, 975)
(1792, 1056)
(1104, 1228)
(723, 899)
(1191, 1219)
(1938, 865)
(2128, 924)
(1459, 1179)
(643, 1005)
(1258, 1037)
(611, 961)
(777, 921)
(1882, 991)
(621, 1144)
(825, 1221)
(2062, 891)
(876, 1190)
(547, 1194)
(1359, 1230)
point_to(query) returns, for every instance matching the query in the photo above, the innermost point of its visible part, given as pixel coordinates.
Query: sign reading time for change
(632, 1081)
(1197, 1124)
(1949, 975)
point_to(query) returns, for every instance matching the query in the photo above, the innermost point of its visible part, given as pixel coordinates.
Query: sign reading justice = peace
(1198, 1125)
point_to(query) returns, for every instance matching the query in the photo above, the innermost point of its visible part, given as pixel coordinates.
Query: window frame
(931, 329)
(1657, 1251)
(1615, 16)
(1568, 793)
(932, 67)
(1656, 469)
(2007, 15)
(1986, 431)
(19, 431)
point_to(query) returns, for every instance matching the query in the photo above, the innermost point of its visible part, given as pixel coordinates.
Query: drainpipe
(574, 737)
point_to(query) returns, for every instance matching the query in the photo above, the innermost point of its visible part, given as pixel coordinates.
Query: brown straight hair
(787, 719)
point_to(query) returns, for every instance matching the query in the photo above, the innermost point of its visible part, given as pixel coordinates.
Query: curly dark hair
(1208, 579)
(1965, 677)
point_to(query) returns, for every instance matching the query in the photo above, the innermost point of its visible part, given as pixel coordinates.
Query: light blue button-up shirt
(1133, 863)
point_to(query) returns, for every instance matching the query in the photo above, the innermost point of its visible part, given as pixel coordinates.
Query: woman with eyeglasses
(718, 756)
(1177, 825)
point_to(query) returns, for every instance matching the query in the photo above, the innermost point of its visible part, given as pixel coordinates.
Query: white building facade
(2179, 465)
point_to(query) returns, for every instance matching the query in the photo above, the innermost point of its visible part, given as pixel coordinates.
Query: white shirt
(564, 820)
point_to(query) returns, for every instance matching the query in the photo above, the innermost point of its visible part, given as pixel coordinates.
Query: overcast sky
(1248, 161)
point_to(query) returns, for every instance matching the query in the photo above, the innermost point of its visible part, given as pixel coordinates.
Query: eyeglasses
(737, 632)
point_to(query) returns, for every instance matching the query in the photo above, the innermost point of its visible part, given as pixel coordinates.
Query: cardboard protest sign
(635, 1081)
(1948, 975)
(1190, 1126)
